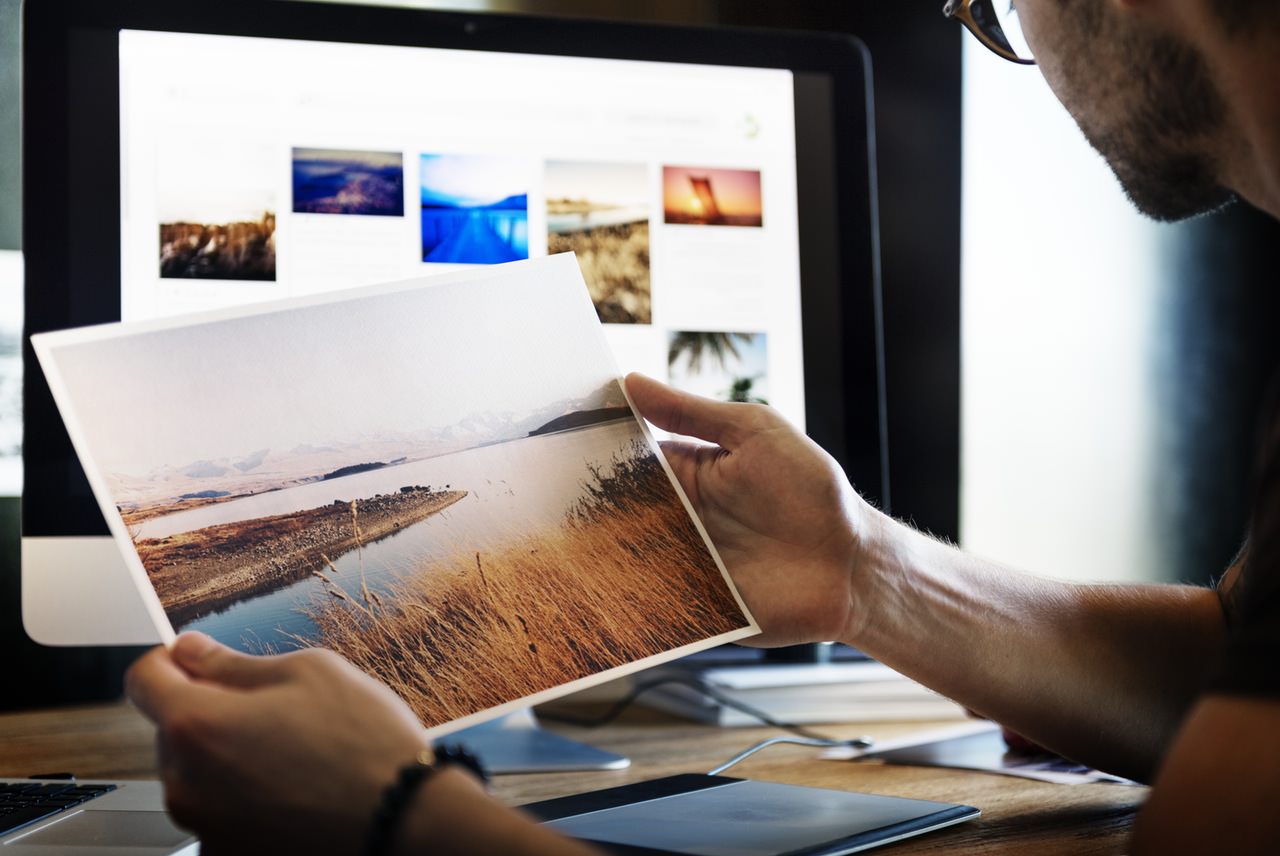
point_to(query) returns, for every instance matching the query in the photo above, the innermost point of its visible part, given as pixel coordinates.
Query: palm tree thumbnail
(700, 346)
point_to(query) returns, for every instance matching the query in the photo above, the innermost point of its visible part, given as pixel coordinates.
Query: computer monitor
(717, 185)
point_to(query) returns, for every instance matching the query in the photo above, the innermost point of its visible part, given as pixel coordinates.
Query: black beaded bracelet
(386, 816)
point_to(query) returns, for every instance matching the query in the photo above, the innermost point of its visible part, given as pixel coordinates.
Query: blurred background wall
(1113, 367)
(1094, 377)
(10, 188)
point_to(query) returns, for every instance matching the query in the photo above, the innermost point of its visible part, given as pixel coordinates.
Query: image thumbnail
(336, 181)
(601, 212)
(469, 551)
(217, 210)
(711, 197)
(475, 209)
(727, 366)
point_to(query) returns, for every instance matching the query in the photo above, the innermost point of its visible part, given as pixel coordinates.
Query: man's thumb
(206, 659)
(683, 413)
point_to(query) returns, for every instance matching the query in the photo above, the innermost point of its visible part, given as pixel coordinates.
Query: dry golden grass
(624, 577)
(615, 265)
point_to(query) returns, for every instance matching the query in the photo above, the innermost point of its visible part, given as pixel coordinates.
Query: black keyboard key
(24, 803)
(47, 790)
(83, 793)
(24, 816)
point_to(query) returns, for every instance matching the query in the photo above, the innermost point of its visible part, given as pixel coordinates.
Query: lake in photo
(521, 486)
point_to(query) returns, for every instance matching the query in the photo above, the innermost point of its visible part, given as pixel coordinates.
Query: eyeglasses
(995, 23)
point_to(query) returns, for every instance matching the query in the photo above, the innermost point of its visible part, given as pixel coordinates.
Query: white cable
(856, 742)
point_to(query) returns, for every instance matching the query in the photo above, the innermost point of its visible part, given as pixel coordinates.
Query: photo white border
(561, 265)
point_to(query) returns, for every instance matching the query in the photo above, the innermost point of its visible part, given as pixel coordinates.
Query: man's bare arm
(1218, 790)
(1103, 674)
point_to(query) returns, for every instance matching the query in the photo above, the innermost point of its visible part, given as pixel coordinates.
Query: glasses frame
(962, 11)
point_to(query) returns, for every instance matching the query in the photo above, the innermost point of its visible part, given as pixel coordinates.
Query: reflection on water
(513, 488)
(474, 235)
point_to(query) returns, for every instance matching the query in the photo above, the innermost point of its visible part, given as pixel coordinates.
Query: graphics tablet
(700, 815)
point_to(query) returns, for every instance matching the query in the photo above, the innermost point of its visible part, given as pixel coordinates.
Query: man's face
(1144, 100)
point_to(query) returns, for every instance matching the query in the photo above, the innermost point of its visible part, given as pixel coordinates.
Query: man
(1175, 685)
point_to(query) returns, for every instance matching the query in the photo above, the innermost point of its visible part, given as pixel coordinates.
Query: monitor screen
(259, 168)
(180, 157)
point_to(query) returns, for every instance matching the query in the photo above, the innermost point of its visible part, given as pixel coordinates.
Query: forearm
(1101, 674)
(452, 814)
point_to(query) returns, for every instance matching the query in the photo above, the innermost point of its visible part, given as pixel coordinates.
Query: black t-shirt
(1251, 593)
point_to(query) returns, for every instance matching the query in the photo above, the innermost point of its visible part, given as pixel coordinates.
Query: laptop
(39, 817)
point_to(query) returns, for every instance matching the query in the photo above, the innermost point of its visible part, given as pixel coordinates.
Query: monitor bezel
(71, 161)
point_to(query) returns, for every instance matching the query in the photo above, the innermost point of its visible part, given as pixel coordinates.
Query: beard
(1159, 150)
(1164, 185)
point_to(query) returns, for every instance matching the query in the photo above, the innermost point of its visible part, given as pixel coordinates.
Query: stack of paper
(800, 693)
(974, 746)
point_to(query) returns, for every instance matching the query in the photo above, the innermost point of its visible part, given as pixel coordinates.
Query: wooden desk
(1019, 816)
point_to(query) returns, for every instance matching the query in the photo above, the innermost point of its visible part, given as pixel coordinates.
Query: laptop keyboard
(22, 803)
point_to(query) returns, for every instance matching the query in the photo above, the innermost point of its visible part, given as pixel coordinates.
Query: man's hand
(778, 508)
(291, 754)
(272, 754)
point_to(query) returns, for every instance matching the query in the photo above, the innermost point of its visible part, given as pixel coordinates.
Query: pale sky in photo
(214, 181)
(342, 372)
(377, 160)
(474, 179)
(622, 184)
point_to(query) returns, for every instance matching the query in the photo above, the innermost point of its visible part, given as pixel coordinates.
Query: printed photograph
(217, 211)
(707, 196)
(600, 211)
(726, 366)
(427, 482)
(475, 209)
(337, 181)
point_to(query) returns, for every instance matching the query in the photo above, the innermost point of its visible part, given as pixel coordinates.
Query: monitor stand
(78, 591)
(516, 743)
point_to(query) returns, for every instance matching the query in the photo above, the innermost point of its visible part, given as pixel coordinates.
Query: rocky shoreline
(209, 569)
